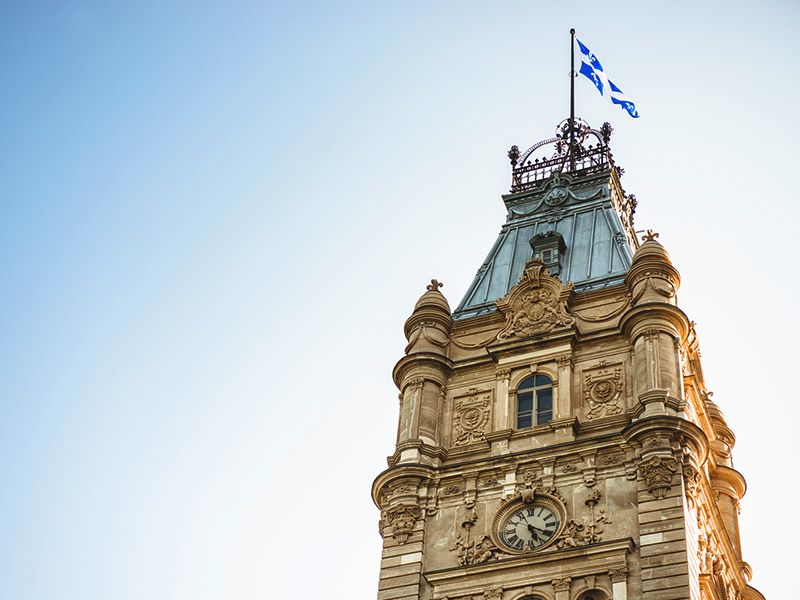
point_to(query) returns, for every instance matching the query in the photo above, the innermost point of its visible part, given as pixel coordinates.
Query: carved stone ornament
(691, 479)
(470, 416)
(493, 594)
(657, 472)
(618, 575)
(602, 390)
(536, 305)
(561, 585)
(472, 549)
(402, 519)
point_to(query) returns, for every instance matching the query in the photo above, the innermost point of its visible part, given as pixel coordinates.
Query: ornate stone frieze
(657, 472)
(603, 388)
(470, 415)
(402, 519)
(536, 305)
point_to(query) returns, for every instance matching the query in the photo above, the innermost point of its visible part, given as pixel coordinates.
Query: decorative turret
(728, 484)
(428, 328)
(422, 377)
(656, 328)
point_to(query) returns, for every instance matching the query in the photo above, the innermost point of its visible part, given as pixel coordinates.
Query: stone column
(561, 587)
(563, 403)
(502, 409)
(619, 583)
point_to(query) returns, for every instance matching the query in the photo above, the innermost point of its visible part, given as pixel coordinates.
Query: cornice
(401, 471)
(639, 429)
(432, 360)
(578, 561)
(654, 311)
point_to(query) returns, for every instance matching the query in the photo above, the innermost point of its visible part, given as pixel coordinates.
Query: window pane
(525, 402)
(544, 399)
(543, 417)
(523, 421)
(541, 380)
(528, 383)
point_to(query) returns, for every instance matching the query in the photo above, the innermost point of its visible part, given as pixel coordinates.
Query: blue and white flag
(591, 68)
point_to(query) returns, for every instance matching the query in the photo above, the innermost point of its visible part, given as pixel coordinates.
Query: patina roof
(575, 193)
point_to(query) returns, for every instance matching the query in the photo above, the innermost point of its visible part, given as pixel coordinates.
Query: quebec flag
(591, 68)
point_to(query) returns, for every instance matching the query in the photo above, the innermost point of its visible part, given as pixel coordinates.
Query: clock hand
(531, 530)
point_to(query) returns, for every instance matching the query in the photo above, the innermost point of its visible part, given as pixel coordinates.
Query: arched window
(534, 401)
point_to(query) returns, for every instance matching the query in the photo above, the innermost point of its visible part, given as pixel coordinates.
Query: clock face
(529, 528)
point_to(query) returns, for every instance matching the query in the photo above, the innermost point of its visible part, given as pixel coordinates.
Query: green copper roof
(571, 212)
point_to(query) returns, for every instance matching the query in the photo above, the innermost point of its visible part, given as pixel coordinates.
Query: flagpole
(572, 101)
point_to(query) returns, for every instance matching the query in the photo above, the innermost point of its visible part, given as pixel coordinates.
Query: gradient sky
(216, 217)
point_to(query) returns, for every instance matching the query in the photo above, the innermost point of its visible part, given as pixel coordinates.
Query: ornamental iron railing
(573, 154)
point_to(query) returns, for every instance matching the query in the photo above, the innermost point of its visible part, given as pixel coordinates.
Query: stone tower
(556, 438)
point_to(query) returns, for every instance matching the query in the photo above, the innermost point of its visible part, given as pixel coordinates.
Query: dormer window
(549, 248)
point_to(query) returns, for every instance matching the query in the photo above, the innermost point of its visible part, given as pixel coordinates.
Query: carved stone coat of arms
(536, 305)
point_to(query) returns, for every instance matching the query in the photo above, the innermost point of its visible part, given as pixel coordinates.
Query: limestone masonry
(556, 437)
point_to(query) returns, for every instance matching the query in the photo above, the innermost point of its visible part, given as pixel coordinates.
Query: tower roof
(568, 209)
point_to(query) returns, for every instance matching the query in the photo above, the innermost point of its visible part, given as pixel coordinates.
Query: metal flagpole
(572, 101)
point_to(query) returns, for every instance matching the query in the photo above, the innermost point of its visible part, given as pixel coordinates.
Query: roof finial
(650, 236)
(434, 286)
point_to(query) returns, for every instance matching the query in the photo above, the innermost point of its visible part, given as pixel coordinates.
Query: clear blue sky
(215, 218)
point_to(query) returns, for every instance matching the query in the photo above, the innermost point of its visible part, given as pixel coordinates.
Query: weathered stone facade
(634, 463)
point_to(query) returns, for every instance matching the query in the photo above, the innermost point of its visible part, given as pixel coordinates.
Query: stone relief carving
(503, 374)
(473, 550)
(581, 534)
(530, 479)
(572, 536)
(602, 390)
(402, 519)
(570, 467)
(536, 305)
(618, 575)
(691, 480)
(595, 525)
(493, 594)
(657, 472)
(470, 417)
(451, 490)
